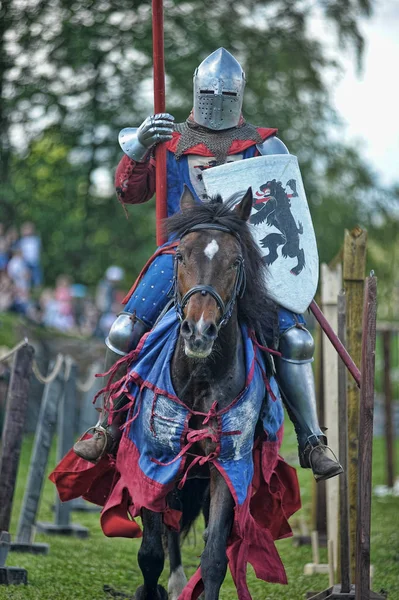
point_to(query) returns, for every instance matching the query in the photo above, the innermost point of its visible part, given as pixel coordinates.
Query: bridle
(238, 287)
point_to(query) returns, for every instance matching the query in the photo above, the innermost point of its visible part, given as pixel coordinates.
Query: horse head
(209, 274)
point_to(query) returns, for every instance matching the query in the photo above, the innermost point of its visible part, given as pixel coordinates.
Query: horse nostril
(186, 329)
(211, 331)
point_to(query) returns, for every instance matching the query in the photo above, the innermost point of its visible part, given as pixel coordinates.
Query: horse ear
(244, 208)
(187, 200)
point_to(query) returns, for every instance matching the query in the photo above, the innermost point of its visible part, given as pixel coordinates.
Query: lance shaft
(159, 107)
(336, 342)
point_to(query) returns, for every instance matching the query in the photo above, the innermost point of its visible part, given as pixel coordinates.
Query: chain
(57, 367)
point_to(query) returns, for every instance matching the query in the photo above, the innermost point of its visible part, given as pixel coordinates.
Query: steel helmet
(219, 84)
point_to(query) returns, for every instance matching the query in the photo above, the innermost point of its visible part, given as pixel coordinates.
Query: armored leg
(146, 302)
(295, 378)
(123, 337)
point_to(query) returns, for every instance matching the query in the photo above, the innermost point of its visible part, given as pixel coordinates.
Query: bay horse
(219, 287)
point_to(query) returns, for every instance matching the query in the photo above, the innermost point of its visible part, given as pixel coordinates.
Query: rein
(238, 288)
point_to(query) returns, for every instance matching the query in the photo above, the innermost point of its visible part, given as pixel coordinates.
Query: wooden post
(366, 440)
(331, 283)
(389, 436)
(362, 589)
(45, 430)
(353, 275)
(66, 434)
(17, 404)
(16, 409)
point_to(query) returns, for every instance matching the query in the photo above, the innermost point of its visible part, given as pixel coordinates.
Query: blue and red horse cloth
(153, 457)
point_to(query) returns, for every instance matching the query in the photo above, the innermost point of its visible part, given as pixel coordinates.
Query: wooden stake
(17, 404)
(353, 275)
(366, 440)
(389, 435)
(331, 284)
(331, 563)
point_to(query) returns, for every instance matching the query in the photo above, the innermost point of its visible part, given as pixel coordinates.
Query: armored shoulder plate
(273, 145)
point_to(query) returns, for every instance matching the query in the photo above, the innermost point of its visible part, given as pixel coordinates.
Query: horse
(219, 288)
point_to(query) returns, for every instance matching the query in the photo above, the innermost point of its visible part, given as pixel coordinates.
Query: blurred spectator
(30, 245)
(12, 240)
(21, 277)
(78, 294)
(49, 310)
(107, 288)
(7, 291)
(63, 296)
(3, 248)
(69, 307)
(107, 299)
(90, 318)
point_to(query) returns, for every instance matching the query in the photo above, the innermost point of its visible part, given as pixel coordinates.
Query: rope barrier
(68, 365)
(86, 386)
(81, 386)
(57, 367)
(14, 350)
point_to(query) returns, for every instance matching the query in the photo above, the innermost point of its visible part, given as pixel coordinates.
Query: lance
(336, 342)
(159, 107)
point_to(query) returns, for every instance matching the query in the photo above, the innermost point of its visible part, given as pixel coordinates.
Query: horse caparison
(219, 282)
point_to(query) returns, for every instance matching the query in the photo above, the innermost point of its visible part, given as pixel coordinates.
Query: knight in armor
(214, 133)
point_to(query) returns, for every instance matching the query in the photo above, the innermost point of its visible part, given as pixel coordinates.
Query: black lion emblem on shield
(273, 205)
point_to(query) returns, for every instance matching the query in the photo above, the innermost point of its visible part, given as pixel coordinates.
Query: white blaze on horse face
(200, 324)
(211, 249)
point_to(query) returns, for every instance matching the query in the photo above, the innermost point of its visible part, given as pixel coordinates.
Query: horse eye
(236, 263)
(179, 257)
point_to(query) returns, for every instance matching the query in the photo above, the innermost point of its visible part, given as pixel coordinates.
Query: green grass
(77, 569)
(8, 329)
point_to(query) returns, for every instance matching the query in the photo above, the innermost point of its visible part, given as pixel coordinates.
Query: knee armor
(120, 337)
(297, 345)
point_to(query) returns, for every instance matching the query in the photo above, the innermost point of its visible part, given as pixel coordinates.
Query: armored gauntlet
(137, 142)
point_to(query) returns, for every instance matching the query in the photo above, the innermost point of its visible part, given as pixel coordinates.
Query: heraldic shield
(280, 219)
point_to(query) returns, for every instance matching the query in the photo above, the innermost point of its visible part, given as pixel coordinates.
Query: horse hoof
(142, 595)
(163, 594)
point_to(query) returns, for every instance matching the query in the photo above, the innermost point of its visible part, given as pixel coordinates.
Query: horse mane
(255, 308)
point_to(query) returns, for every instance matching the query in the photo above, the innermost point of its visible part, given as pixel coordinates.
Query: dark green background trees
(72, 74)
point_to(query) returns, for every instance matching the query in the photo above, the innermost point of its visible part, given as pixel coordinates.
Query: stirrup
(97, 429)
(326, 447)
(339, 466)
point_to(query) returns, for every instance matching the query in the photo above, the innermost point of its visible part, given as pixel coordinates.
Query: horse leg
(214, 557)
(190, 500)
(151, 557)
(177, 578)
